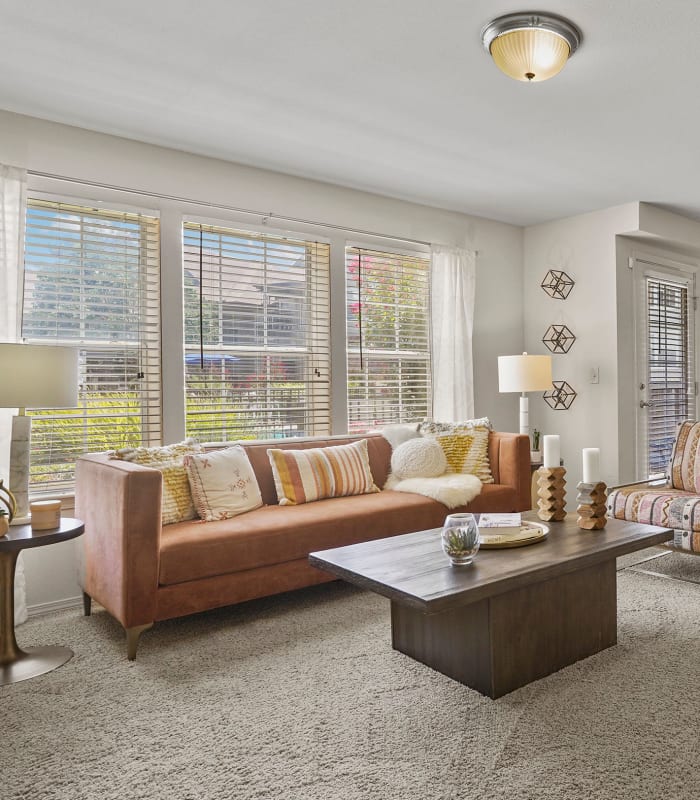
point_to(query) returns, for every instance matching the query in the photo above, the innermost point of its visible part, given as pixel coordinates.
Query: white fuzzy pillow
(399, 433)
(418, 458)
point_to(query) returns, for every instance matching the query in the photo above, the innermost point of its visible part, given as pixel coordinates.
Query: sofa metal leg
(87, 604)
(132, 639)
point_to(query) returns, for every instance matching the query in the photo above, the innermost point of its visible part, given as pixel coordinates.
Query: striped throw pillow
(302, 476)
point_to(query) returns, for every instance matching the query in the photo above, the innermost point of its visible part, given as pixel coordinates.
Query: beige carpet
(302, 697)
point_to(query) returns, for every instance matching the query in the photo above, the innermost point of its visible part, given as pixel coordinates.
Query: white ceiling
(391, 96)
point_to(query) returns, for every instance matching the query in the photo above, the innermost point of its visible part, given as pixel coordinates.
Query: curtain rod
(218, 206)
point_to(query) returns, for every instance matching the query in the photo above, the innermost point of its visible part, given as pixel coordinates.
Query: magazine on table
(508, 521)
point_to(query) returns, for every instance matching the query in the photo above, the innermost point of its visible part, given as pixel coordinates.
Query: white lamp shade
(38, 376)
(524, 373)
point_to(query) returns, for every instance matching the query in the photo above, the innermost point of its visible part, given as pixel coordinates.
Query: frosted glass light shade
(524, 373)
(38, 376)
(530, 54)
(530, 46)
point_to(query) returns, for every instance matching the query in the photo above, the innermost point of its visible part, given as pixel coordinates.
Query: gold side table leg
(15, 664)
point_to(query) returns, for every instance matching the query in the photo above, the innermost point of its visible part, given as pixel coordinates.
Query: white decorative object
(223, 483)
(591, 465)
(452, 293)
(418, 458)
(524, 374)
(552, 452)
(399, 433)
(46, 514)
(452, 490)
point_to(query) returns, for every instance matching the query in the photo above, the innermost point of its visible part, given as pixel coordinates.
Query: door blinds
(388, 337)
(670, 371)
(257, 335)
(92, 281)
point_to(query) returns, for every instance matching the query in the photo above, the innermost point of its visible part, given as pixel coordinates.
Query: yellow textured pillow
(302, 476)
(465, 444)
(177, 505)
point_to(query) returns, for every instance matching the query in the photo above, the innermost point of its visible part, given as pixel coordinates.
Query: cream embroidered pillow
(176, 505)
(223, 483)
(466, 445)
(302, 476)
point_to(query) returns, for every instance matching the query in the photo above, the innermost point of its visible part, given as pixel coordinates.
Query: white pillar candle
(552, 456)
(591, 465)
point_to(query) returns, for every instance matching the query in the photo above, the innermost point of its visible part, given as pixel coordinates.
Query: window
(257, 335)
(388, 338)
(91, 280)
(670, 390)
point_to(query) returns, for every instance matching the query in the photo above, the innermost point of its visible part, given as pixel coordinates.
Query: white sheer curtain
(13, 186)
(452, 291)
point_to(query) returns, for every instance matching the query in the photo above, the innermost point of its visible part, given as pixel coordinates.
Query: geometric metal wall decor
(558, 338)
(560, 397)
(557, 284)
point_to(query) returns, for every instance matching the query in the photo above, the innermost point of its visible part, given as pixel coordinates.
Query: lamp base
(19, 463)
(524, 414)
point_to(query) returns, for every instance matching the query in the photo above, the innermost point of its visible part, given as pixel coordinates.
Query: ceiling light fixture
(530, 46)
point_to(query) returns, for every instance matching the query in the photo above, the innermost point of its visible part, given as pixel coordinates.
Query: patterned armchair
(673, 503)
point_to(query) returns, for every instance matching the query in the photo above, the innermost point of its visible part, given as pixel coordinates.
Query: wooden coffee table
(514, 615)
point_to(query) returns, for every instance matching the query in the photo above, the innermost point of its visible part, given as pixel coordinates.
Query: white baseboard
(55, 605)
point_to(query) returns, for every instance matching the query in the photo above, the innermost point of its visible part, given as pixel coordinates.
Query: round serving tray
(530, 533)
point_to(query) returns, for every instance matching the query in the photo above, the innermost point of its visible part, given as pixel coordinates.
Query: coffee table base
(32, 662)
(506, 641)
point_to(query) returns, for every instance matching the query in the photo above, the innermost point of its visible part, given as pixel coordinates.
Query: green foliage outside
(110, 421)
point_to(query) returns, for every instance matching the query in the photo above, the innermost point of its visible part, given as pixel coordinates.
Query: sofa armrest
(509, 456)
(120, 504)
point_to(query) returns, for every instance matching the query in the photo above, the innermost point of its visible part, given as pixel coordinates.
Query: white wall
(585, 248)
(76, 153)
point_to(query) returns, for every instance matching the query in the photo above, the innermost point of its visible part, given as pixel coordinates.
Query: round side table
(15, 664)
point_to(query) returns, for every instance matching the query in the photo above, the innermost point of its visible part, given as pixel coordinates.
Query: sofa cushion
(466, 445)
(418, 458)
(302, 476)
(665, 507)
(379, 451)
(685, 463)
(176, 502)
(223, 483)
(276, 534)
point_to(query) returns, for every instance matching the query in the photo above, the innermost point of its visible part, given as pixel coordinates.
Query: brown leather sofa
(141, 571)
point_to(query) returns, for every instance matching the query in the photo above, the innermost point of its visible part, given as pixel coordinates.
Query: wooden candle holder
(592, 506)
(551, 490)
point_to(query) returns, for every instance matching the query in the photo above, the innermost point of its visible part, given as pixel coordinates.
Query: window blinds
(670, 360)
(257, 335)
(91, 280)
(388, 338)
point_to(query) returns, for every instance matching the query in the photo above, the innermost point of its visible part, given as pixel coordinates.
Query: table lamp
(33, 376)
(524, 374)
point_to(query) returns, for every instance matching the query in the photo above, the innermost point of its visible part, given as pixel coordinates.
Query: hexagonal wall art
(558, 338)
(560, 397)
(557, 284)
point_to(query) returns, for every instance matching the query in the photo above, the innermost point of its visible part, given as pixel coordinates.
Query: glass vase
(460, 538)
